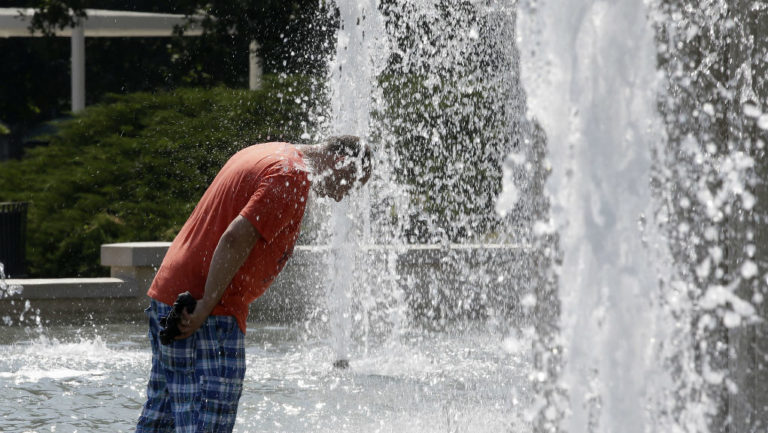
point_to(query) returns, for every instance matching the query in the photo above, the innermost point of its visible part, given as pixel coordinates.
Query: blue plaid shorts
(195, 384)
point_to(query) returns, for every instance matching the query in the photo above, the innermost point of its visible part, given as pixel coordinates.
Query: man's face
(342, 179)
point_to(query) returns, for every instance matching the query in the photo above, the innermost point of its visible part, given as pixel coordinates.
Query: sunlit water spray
(440, 122)
(24, 313)
(352, 72)
(593, 90)
(643, 314)
(7, 289)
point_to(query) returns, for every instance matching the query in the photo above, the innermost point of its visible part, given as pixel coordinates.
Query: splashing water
(595, 99)
(645, 319)
(632, 336)
(439, 123)
(6, 289)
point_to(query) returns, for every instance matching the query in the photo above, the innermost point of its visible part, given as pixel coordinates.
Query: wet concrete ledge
(425, 271)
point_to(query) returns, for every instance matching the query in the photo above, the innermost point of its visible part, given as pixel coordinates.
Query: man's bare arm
(233, 248)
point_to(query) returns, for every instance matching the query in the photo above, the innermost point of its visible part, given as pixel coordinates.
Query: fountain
(591, 83)
(352, 71)
(647, 203)
(563, 233)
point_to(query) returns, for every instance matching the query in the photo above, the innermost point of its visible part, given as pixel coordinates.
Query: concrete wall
(438, 282)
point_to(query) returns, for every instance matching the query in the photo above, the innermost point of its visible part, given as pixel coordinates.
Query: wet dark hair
(350, 145)
(345, 145)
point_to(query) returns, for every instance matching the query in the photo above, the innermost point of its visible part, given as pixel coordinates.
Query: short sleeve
(278, 201)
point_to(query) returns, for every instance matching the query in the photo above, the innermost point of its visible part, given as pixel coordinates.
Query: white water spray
(353, 72)
(6, 289)
(589, 70)
(624, 310)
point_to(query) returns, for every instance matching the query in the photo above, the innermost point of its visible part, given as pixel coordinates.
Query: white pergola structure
(14, 22)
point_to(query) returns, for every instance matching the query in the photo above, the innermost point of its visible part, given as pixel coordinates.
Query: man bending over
(237, 240)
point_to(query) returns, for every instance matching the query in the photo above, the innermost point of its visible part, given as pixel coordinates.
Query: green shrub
(133, 167)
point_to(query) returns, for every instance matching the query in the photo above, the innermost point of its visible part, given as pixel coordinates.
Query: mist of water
(591, 84)
(627, 319)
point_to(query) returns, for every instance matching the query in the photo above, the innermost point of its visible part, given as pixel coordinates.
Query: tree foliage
(295, 36)
(132, 168)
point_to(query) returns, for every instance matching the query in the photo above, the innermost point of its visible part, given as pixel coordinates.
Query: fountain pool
(93, 379)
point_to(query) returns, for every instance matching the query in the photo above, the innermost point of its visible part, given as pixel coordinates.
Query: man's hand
(190, 323)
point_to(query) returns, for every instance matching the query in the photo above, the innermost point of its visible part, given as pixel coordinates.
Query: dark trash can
(13, 238)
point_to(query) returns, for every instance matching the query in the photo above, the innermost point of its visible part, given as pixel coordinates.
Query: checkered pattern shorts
(195, 383)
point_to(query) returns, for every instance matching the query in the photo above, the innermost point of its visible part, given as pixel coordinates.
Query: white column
(254, 66)
(78, 68)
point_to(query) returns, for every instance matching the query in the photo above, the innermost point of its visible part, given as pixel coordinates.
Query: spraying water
(646, 203)
(431, 93)
(7, 289)
(352, 72)
(595, 99)
(641, 316)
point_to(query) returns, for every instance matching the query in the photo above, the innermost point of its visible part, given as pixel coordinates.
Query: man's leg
(197, 381)
(178, 361)
(221, 346)
(156, 415)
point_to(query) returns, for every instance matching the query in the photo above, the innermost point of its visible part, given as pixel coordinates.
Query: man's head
(342, 163)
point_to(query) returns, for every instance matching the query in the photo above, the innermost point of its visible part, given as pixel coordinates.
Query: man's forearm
(231, 252)
(228, 257)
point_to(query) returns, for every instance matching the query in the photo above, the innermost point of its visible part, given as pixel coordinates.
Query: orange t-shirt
(268, 185)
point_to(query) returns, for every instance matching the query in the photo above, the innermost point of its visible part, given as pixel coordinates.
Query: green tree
(132, 168)
(295, 37)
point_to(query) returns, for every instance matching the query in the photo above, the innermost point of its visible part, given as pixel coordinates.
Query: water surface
(93, 379)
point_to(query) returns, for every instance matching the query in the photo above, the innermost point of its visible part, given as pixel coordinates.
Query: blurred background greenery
(132, 167)
(295, 36)
(162, 116)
